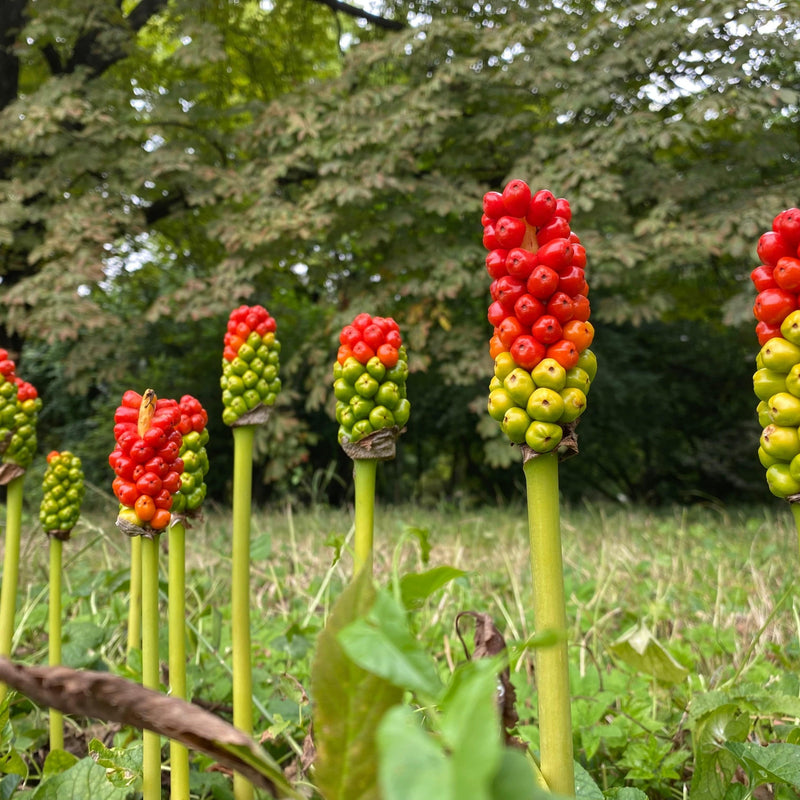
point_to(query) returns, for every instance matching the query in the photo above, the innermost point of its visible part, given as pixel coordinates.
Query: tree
(357, 184)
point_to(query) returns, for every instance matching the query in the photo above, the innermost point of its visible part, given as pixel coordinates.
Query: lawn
(714, 588)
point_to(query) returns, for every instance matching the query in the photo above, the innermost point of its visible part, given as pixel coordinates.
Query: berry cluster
(63, 491)
(540, 314)
(192, 427)
(776, 381)
(19, 408)
(370, 378)
(146, 459)
(250, 363)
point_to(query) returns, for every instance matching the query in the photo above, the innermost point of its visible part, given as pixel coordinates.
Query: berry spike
(540, 316)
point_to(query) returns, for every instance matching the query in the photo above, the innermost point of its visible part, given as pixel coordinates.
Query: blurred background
(164, 161)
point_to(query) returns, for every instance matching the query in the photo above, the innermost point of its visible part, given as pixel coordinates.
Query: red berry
(493, 205)
(125, 491)
(171, 482)
(509, 329)
(496, 263)
(363, 352)
(546, 329)
(580, 307)
(562, 209)
(565, 352)
(517, 198)
(361, 321)
(388, 355)
(510, 231)
(787, 274)
(509, 290)
(571, 281)
(490, 240)
(561, 307)
(556, 254)
(787, 224)
(497, 313)
(771, 247)
(373, 336)
(542, 208)
(528, 309)
(126, 414)
(763, 277)
(163, 499)
(394, 338)
(527, 352)
(774, 305)
(542, 282)
(765, 332)
(520, 263)
(349, 335)
(557, 228)
(578, 254)
(140, 452)
(169, 452)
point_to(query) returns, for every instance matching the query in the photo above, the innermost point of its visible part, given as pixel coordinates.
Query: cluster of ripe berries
(146, 459)
(63, 490)
(19, 408)
(250, 362)
(539, 312)
(369, 378)
(776, 381)
(192, 427)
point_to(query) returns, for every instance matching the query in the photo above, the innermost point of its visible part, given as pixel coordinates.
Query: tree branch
(359, 13)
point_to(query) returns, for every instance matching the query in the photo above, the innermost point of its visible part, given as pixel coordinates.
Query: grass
(715, 586)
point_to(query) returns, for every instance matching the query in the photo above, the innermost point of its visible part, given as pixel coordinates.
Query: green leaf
(585, 787)
(639, 649)
(123, 765)
(85, 779)
(514, 778)
(470, 727)
(412, 763)
(8, 785)
(381, 643)
(625, 793)
(57, 761)
(416, 587)
(774, 763)
(349, 704)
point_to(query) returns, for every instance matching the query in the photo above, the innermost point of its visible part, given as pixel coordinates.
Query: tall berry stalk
(250, 386)
(543, 369)
(62, 494)
(776, 381)
(186, 507)
(369, 383)
(148, 466)
(19, 409)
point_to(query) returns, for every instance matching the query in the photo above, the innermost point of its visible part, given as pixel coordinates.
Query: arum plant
(19, 408)
(543, 369)
(372, 409)
(148, 468)
(186, 507)
(250, 386)
(63, 490)
(776, 381)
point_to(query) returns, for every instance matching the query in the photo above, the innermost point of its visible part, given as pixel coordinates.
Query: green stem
(364, 471)
(151, 759)
(552, 668)
(54, 636)
(8, 593)
(243, 436)
(178, 753)
(135, 604)
(796, 514)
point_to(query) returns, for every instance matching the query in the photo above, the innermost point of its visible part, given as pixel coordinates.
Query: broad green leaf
(639, 649)
(57, 761)
(412, 762)
(382, 643)
(85, 779)
(470, 727)
(625, 793)
(514, 778)
(123, 765)
(416, 587)
(778, 762)
(8, 785)
(349, 703)
(585, 786)
(714, 765)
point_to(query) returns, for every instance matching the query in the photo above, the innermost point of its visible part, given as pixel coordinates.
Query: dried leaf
(115, 699)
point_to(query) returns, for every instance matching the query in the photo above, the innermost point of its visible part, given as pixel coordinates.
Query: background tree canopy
(162, 162)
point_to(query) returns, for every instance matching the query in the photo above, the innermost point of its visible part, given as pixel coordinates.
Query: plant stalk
(151, 758)
(552, 668)
(54, 636)
(364, 471)
(243, 436)
(8, 592)
(178, 753)
(135, 603)
(796, 515)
